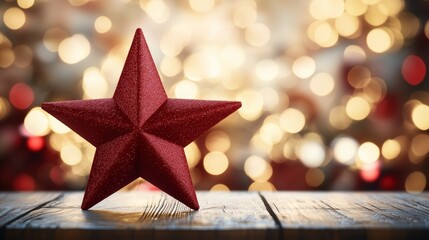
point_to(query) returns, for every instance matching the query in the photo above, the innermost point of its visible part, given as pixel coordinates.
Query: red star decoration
(140, 132)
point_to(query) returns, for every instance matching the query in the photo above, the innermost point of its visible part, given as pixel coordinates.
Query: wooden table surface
(223, 215)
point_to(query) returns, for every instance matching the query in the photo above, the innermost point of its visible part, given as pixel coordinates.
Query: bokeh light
(257, 169)
(292, 120)
(358, 108)
(414, 70)
(322, 84)
(215, 163)
(304, 67)
(368, 152)
(334, 92)
(21, 96)
(102, 24)
(345, 149)
(391, 149)
(420, 115)
(74, 49)
(36, 122)
(14, 18)
(415, 182)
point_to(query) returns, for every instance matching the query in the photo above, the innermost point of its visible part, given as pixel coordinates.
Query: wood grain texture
(154, 215)
(347, 215)
(13, 205)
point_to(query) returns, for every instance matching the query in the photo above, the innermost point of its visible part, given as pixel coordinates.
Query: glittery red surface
(140, 132)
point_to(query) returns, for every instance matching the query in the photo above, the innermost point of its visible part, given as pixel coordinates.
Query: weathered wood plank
(13, 205)
(310, 215)
(153, 215)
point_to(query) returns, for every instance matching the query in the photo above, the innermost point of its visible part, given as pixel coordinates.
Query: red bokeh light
(388, 183)
(370, 173)
(413, 70)
(24, 182)
(35, 143)
(56, 175)
(21, 96)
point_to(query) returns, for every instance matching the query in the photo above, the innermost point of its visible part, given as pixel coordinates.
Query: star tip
(45, 105)
(196, 207)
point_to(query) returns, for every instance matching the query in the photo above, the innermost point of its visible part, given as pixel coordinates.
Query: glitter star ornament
(140, 132)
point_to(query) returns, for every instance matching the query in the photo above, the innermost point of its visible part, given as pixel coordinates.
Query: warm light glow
(244, 16)
(323, 34)
(14, 18)
(193, 154)
(271, 133)
(419, 145)
(7, 57)
(304, 67)
(71, 154)
(379, 40)
(102, 24)
(157, 10)
(218, 141)
(252, 103)
(427, 29)
(4, 108)
(355, 7)
(390, 149)
(201, 66)
(220, 187)
(419, 116)
(324, 9)
(267, 70)
(311, 153)
(232, 56)
(78, 3)
(24, 56)
(258, 169)
(375, 91)
(57, 126)
(257, 34)
(186, 89)
(53, 38)
(170, 66)
(74, 49)
(94, 84)
(358, 108)
(261, 186)
(292, 120)
(271, 98)
(338, 118)
(368, 153)
(354, 53)
(359, 76)
(215, 163)
(314, 177)
(347, 25)
(173, 42)
(322, 84)
(25, 3)
(415, 182)
(376, 15)
(345, 150)
(202, 6)
(36, 122)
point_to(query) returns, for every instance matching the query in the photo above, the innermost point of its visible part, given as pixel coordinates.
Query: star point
(140, 132)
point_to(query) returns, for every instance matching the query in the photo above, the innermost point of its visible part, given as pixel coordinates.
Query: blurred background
(335, 92)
